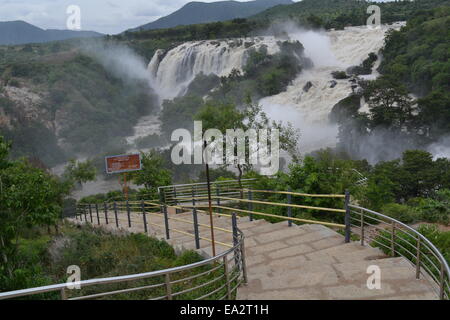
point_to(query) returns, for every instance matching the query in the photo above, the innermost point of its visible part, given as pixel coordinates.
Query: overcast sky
(106, 16)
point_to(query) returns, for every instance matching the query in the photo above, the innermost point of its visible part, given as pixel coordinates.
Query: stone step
(308, 261)
(347, 252)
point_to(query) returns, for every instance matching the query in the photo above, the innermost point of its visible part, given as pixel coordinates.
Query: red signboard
(123, 163)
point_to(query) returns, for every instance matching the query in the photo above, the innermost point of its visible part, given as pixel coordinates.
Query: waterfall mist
(440, 149)
(118, 59)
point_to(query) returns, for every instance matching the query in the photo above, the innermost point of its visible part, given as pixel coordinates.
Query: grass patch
(101, 254)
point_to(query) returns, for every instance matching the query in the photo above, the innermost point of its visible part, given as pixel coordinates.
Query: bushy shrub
(400, 212)
(436, 209)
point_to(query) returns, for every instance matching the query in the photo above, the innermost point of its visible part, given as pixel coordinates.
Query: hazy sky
(106, 16)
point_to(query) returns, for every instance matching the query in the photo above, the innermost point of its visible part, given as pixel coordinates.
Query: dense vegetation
(411, 189)
(341, 13)
(44, 259)
(82, 103)
(308, 13)
(415, 60)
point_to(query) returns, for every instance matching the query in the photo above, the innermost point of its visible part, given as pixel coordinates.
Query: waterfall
(308, 110)
(173, 73)
(307, 102)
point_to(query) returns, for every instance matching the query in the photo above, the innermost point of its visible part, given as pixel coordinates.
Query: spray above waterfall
(120, 60)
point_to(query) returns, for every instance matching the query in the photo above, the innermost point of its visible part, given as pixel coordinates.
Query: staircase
(291, 263)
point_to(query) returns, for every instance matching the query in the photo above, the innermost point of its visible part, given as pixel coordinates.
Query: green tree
(153, 173)
(28, 197)
(80, 172)
(228, 117)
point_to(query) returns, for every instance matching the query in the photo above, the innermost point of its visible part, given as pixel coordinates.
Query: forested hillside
(201, 12)
(409, 103)
(20, 32)
(340, 13)
(56, 101)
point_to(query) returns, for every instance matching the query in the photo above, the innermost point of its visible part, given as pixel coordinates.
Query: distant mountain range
(20, 32)
(201, 12)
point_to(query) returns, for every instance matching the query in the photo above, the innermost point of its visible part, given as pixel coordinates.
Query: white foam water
(307, 110)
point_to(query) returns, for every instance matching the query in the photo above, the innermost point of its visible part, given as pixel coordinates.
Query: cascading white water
(172, 72)
(307, 110)
(330, 51)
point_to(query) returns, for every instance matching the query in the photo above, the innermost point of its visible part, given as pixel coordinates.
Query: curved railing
(392, 236)
(225, 271)
(398, 239)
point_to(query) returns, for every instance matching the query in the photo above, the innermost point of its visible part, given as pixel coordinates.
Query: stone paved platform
(293, 263)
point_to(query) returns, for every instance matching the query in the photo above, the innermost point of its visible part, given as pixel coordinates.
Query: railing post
(362, 227)
(441, 282)
(235, 236)
(218, 198)
(227, 276)
(250, 205)
(289, 211)
(63, 294)
(166, 221)
(98, 215)
(168, 287)
(244, 264)
(234, 228)
(347, 217)
(90, 214)
(197, 236)
(175, 198)
(161, 199)
(144, 216)
(418, 258)
(106, 212)
(194, 216)
(393, 240)
(115, 214)
(128, 214)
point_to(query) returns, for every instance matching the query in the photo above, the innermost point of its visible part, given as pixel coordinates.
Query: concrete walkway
(293, 263)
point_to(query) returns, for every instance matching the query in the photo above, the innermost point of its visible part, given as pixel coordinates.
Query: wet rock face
(333, 83)
(307, 86)
(339, 75)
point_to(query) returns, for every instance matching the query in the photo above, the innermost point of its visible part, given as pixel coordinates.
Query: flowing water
(172, 72)
(307, 110)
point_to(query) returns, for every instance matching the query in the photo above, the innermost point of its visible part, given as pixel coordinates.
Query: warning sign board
(123, 163)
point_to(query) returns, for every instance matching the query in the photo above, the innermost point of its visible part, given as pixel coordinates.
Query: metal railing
(137, 214)
(224, 273)
(398, 239)
(392, 236)
(248, 197)
(177, 194)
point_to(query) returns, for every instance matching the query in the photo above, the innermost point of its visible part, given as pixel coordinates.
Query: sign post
(123, 164)
(208, 183)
